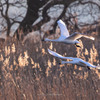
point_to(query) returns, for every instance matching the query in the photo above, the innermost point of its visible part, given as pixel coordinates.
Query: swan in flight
(66, 38)
(75, 61)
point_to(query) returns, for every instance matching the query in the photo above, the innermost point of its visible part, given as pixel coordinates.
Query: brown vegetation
(28, 72)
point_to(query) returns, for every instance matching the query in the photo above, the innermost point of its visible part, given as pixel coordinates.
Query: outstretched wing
(58, 55)
(87, 64)
(76, 36)
(63, 29)
(89, 37)
(82, 63)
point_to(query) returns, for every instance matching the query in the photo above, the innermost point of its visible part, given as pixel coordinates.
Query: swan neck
(53, 40)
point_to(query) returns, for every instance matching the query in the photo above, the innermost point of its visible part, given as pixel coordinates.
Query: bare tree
(74, 12)
(9, 19)
(71, 12)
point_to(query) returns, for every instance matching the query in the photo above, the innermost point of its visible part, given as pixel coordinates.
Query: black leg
(77, 45)
(88, 68)
(59, 63)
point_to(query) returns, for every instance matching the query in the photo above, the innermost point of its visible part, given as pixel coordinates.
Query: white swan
(65, 37)
(76, 61)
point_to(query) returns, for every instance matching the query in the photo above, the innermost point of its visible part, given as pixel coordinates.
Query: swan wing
(88, 64)
(82, 63)
(76, 36)
(63, 29)
(89, 37)
(58, 55)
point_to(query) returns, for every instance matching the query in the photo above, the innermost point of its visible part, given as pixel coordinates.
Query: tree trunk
(31, 15)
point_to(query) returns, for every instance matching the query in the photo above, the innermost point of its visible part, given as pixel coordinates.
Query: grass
(28, 72)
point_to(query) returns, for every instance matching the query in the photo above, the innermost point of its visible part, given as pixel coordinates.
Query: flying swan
(75, 61)
(66, 38)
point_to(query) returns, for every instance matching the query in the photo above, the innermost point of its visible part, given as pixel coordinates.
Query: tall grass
(28, 72)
